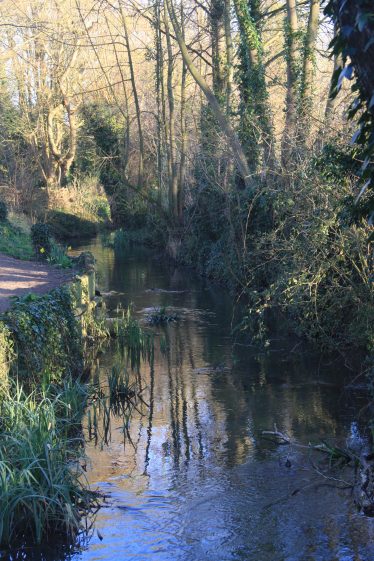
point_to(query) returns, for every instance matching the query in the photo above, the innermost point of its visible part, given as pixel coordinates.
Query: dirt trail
(18, 278)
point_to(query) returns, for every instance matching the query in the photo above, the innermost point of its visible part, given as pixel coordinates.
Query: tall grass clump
(135, 342)
(43, 492)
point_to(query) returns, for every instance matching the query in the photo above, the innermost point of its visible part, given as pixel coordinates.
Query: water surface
(200, 484)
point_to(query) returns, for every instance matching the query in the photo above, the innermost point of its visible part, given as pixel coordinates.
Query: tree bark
(289, 134)
(308, 72)
(256, 129)
(136, 100)
(173, 179)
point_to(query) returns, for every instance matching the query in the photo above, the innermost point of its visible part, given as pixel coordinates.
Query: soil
(18, 278)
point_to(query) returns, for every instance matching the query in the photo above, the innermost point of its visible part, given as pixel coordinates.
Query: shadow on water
(197, 483)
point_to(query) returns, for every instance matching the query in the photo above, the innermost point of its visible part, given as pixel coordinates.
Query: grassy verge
(15, 241)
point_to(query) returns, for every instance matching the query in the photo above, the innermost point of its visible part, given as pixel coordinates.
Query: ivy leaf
(347, 30)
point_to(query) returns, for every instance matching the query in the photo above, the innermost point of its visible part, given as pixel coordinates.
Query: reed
(135, 343)
(43, 491)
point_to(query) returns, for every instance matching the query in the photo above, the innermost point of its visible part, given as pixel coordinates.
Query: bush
(3, 212)
(290, 248)
(58, 257)
(41, 240)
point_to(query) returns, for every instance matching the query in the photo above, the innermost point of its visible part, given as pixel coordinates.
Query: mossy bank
(43, 337)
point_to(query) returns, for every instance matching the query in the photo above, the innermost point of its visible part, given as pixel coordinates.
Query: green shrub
(6, 355)
(290, 247)
(41, 240)
(58, 257)
(3, 212)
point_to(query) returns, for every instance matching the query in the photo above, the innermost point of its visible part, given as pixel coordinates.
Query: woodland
(235, 134)
(235, 138)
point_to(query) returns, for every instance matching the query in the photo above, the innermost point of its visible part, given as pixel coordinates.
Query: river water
(199, 483)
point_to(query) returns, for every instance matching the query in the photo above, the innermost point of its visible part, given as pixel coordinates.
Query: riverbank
(49, 340)
(43, 327)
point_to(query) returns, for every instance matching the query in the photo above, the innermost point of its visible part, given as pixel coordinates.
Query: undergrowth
(43, 490)
(290, 247)
(44, 494)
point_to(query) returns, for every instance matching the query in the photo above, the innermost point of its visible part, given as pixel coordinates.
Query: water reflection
(199, 484)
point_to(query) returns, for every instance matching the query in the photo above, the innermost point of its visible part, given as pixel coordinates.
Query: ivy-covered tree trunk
(255, 116)
(219, 65)
(229, 54)
(308, 73)
(173, 166)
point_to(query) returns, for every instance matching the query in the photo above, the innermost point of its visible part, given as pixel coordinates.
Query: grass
(134, 342)
(43, 493)
(15, 241)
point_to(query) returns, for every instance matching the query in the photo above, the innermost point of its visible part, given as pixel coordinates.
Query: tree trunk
(256, 125)
(308, 73)
(219, 65)
(289, 133)
(136, 100)
(229, 55)
(183, 126)
(173, 179)
(158, 76)
(222, 119)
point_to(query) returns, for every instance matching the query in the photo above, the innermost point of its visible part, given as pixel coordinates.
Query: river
(199, 483)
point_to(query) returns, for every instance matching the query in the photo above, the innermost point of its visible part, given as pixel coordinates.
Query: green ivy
(6, 354)
(255, 126)
(46, 335)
